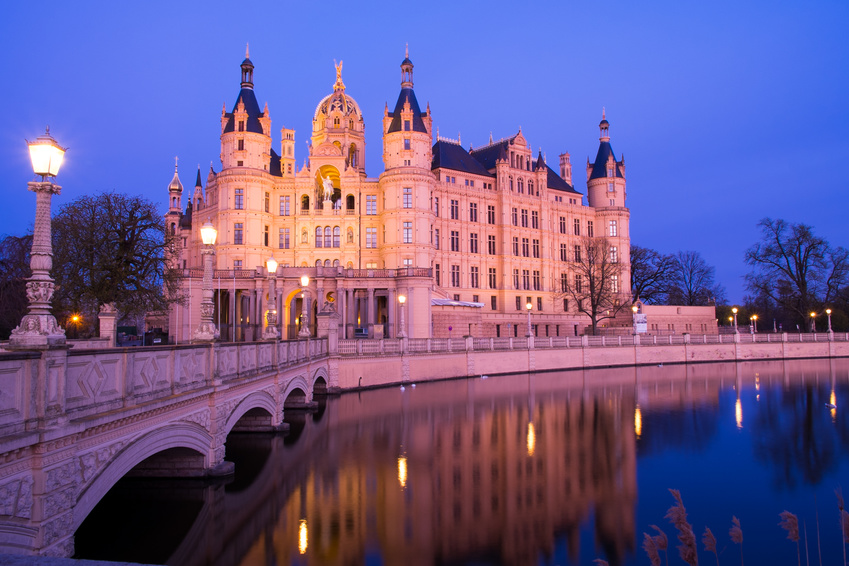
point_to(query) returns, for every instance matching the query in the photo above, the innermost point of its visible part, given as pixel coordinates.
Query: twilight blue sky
(726, 111)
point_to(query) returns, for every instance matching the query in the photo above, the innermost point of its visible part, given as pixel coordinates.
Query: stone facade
(489, 228)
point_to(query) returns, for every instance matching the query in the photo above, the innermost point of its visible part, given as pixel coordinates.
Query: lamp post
(634, 309)
(734, 310)
(813, 322)
(305, 322)
(754, 319)
(529, 306)
(402, 332)
(206, 330)
(828, 312)
(38, 328)
(270, 332)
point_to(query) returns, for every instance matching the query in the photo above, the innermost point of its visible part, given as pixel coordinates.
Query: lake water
(550, 468)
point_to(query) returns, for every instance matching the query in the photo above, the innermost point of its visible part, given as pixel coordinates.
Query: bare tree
(595, 284)
(795, 268)
(693, 281)
(111, 248)
(14, 272)
(651, 275)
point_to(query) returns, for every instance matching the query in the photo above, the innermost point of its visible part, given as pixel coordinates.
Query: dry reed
(710, 543)
(677, 515)
(661, 541)
(790, 523)
(736, 534)
(650, 546)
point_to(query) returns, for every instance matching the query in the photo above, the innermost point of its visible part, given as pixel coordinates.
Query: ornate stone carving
(90, 463)
(200, 418)
(16, 498)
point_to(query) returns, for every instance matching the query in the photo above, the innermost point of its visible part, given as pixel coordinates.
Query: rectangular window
(474, 276)
(526, 279)
(536, 248)
(241, 145)
(526, 247)
(267, 202)
(284, 206)
(436, 206)
(614, 231)
(436, 238)
(579, 284)
(473, 212)
(455, 275)
(516, 246)
(265, 237)
(564, 282)
(490, 244)
(493, 302)
(539, 306)
(515, 278)
(406, 125)
(408, 197)
(614, 283)
(514, 216)
(490, 213)
(577, 254)
(565, 307)
(408, 262)
(534, 219)
(371, 237)
(524, 218)
(237, 233)
(536, 281)
(241, 129)
(564, 254)
(518, 305)
(237, 263)
(436, 272)
(371, 205)
(284, 238)
(614, 254)
(492, 278)
(239, 201)
(406, 144)
(473, 243)
(576, 226)
(590, 228)
(408, 232)
(455, 209)
(562, 224)
(455, 241)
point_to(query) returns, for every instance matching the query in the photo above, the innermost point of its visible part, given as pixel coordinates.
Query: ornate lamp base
(37, 332)
(206, 332)
(270, 333)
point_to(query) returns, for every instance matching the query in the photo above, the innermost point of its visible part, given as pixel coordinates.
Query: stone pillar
(232, 323)
(391, 305)
(370, 312)
(108, 326)
(352, 312)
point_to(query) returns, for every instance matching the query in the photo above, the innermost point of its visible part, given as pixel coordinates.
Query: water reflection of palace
(490, 482)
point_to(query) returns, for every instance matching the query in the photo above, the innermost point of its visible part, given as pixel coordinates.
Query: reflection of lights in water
(757, 383)
(833, 400)
(302, 537)
(532, 439)
(638, 421)
(738, 413)
(402, 471)
(758, 397)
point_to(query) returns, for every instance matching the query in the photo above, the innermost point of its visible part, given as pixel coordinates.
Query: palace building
(468, 237)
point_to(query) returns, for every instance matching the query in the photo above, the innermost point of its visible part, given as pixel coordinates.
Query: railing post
(469, 343)
(585, 341)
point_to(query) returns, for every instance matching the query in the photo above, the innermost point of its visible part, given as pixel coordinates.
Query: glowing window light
(532, 439)
(738, 413)
(302, 537)
(402, 471)
(638, 421)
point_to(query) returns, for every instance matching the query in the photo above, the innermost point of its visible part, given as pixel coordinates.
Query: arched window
(318, 263)
(305, 202)
(173, 228)
(327, 263)
(337, 235)
(520, 185)
(318, 237)
(511, 183)
(335, 263)
(327, 241)
(530, 187)
(350, 265)
(349, 202)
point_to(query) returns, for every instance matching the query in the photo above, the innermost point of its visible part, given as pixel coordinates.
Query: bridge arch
(320, 382)
(178, 435)
(256, 400)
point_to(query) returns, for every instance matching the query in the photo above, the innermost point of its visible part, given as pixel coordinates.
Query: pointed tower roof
(248, 98)
(198, 183)
(605, 152)
(407, 96)
(175, 184)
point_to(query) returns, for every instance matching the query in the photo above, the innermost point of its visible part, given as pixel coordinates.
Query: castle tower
(287, 152)
(338, 122)
(175, 195)
(407, 155)
(605, 176)
(198, 196)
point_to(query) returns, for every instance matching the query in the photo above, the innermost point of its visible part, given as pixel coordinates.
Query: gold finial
(176, 160)
(407, 51)
(602, 113)
(247, 51)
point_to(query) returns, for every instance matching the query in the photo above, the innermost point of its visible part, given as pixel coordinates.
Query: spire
(407, 70)
(247, 72)
(247, 51)
(603, 127)
(198, 183)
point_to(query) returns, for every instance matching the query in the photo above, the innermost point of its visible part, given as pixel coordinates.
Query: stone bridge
(72, 423)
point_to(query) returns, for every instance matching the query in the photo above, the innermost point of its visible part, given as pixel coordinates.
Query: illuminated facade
(469, 237)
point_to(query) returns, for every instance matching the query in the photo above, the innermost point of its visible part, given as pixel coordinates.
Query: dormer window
(336, 122)
(610, 171)
(241, 125)
(241, 145)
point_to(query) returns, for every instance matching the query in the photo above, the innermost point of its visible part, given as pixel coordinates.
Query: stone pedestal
(108, 323)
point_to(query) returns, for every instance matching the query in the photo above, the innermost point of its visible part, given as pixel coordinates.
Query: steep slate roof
(554, 181)
(247, 96)
(274, 167)
(418, 124)
(452, 156)
(600, 164)
(493, 152)
(186, 219)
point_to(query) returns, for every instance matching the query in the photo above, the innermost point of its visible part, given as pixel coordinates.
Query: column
(232, 323)
(391, 305)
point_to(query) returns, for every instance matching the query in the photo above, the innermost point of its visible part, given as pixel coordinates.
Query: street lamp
(402, 332)
(813, 322)
(828, 312)
(754, 319)
(305, 326)
(634, 309)
(38, 328)
(271, 332)
(529, 306)
(734, 310)
(206, 330)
